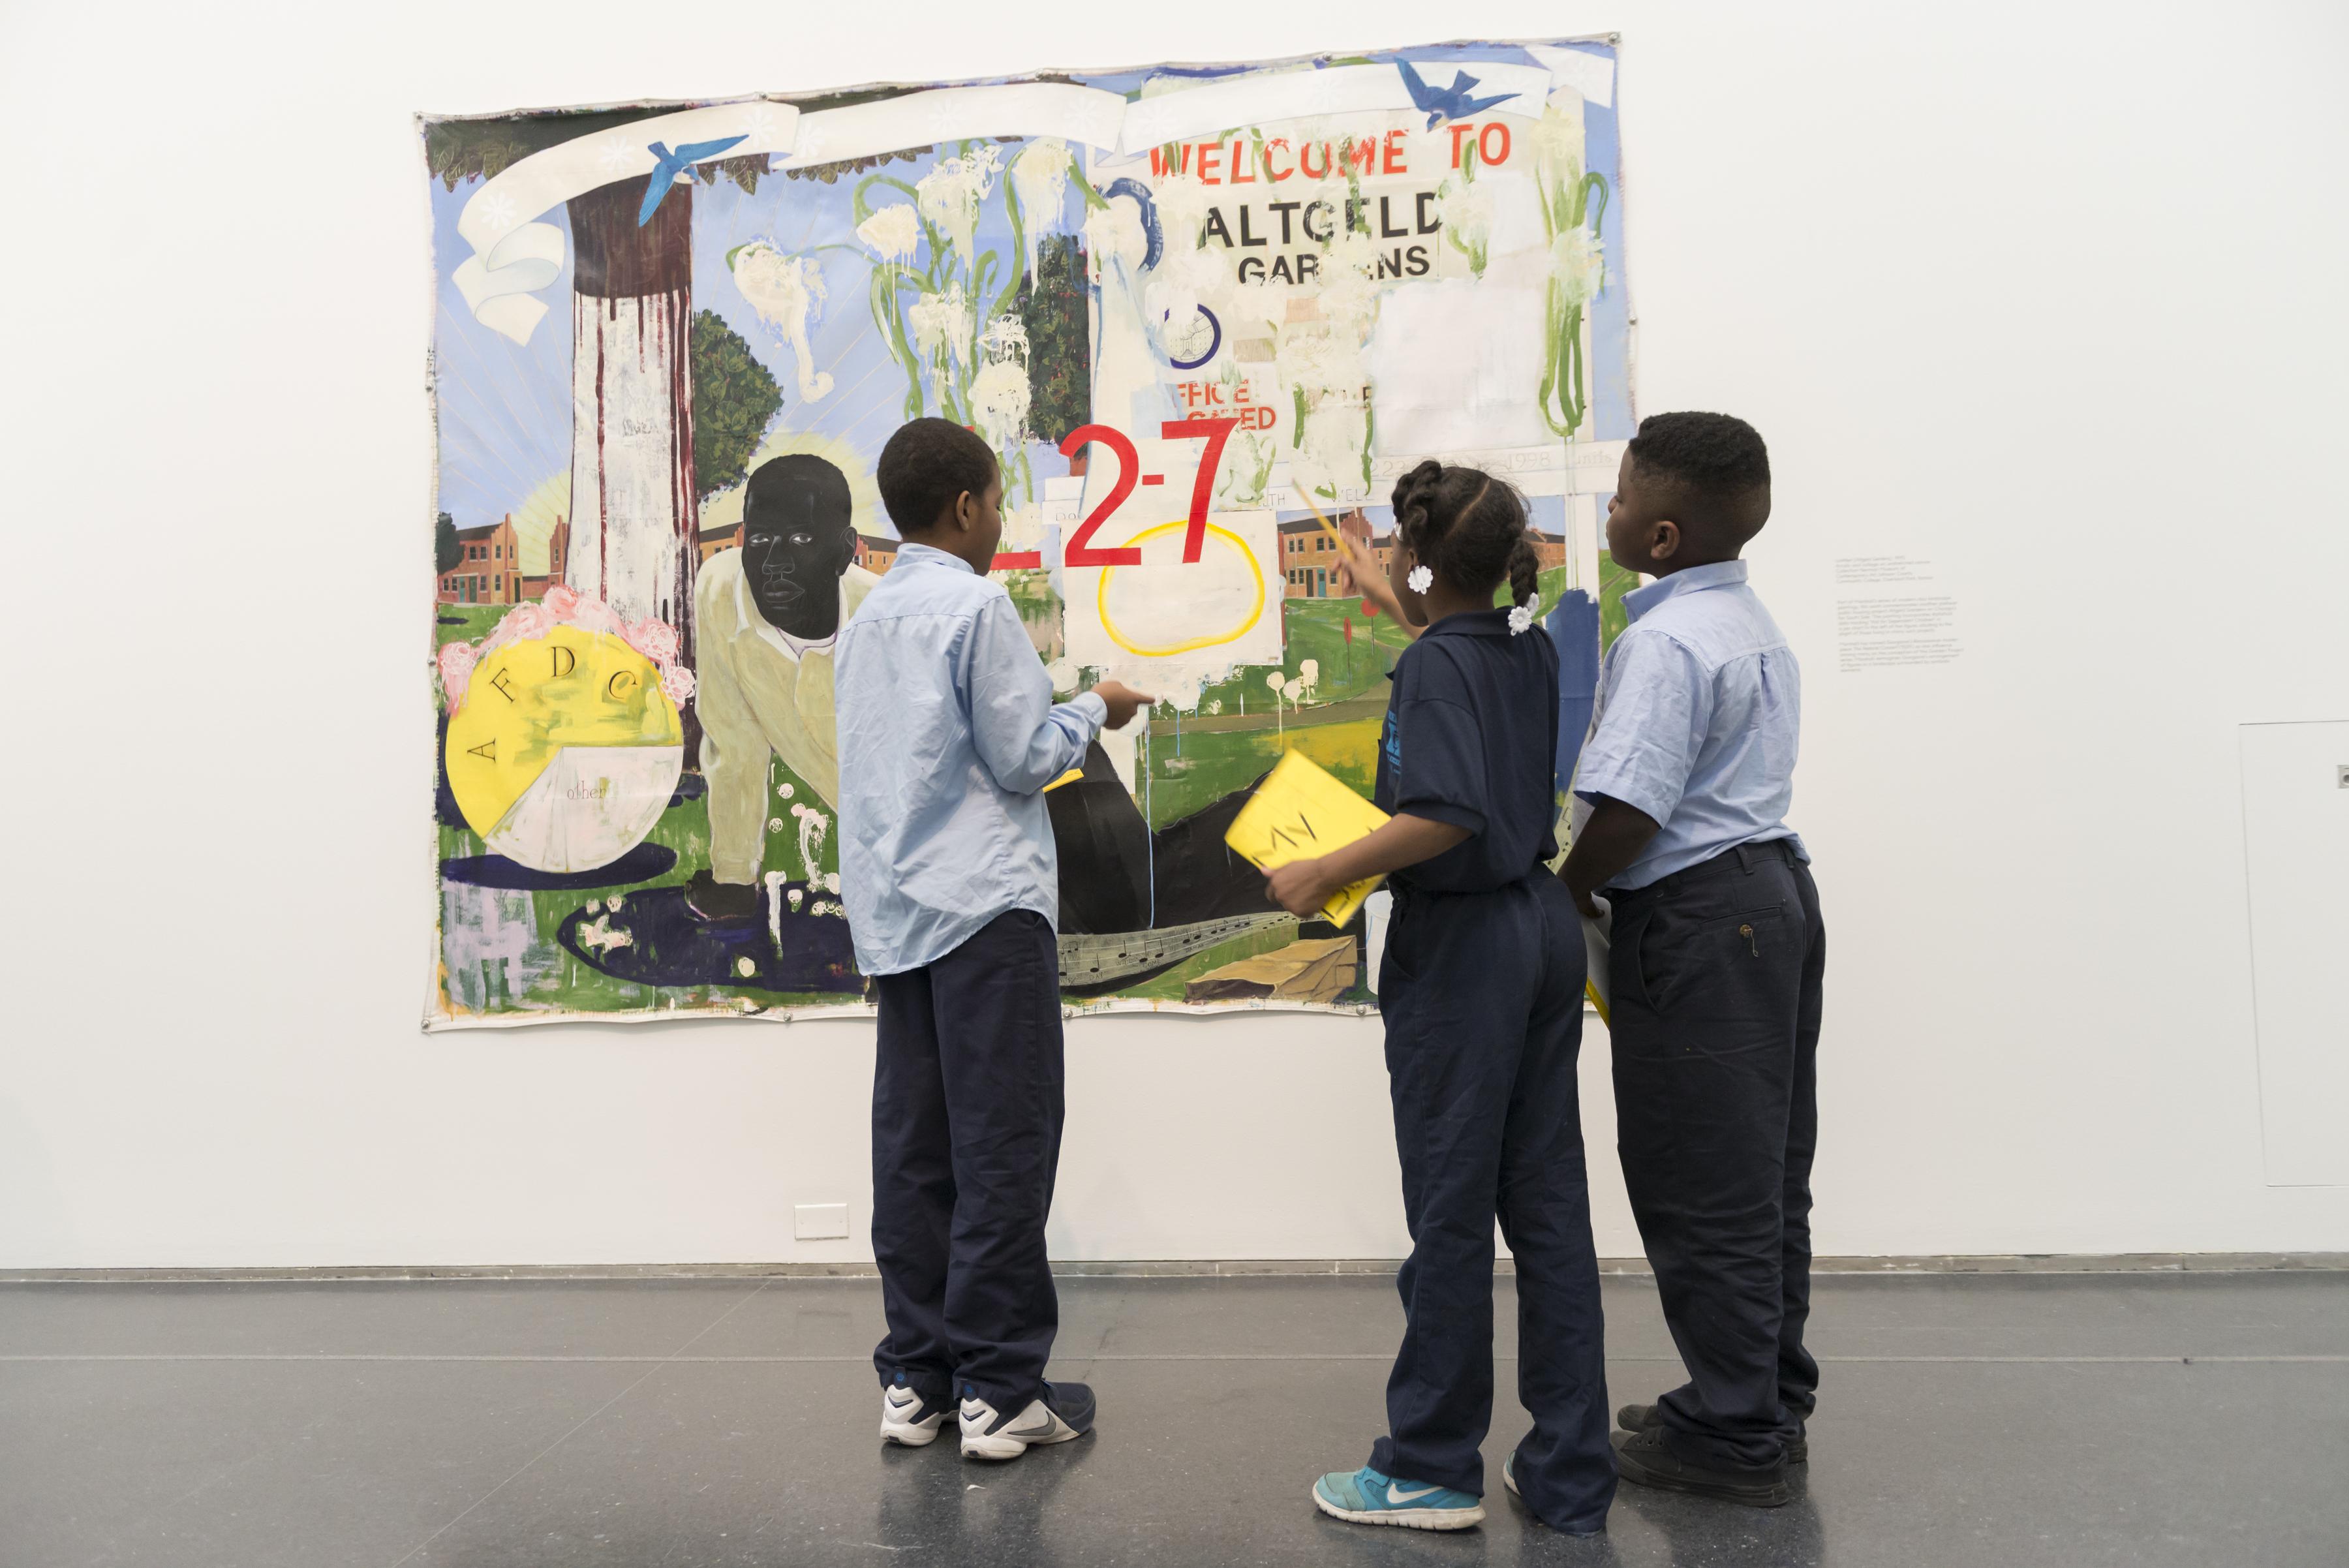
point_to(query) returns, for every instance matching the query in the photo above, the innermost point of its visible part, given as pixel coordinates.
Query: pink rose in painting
(457, 661)
(653, 637)
(561, 602)
(594, 616)
(677, 682)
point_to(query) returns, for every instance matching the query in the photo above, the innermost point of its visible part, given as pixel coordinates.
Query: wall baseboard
(1269, 1268)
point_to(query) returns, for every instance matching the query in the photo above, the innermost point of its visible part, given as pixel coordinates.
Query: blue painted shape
(1154, 236)
(1446, 103)
(1573, 626)
(668, 166)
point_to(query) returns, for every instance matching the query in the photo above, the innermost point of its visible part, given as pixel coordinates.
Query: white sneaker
(905, 1421)
(1063, 1411)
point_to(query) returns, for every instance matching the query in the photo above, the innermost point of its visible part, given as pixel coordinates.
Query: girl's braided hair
(1469, 528)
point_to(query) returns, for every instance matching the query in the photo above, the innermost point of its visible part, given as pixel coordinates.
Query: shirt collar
(1471, 623)
(1694, 580)
(916, 554)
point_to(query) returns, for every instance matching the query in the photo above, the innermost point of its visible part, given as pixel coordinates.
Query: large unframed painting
(669, 341)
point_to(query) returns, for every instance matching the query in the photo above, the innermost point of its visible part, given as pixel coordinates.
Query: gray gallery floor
(2133, 1419)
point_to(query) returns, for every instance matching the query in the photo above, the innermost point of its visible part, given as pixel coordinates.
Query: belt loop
(1745, 861)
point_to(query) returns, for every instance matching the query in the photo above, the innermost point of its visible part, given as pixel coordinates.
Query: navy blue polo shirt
(1471, 738)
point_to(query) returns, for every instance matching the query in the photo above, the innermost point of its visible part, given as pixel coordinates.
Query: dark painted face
(794, 549)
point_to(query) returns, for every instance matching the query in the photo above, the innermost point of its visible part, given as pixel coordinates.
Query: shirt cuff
(1093, 706)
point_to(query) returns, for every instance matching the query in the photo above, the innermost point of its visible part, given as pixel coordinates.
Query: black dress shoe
(1642, 1458)
(1641, 1418)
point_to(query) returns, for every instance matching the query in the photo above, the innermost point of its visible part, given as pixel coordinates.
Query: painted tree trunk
(631, 497)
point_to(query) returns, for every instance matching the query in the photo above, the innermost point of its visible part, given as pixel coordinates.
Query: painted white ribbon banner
(1078, 114)
(515, 256)
(1592, 76)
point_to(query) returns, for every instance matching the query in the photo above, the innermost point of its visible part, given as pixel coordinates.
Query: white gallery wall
(2047, 297)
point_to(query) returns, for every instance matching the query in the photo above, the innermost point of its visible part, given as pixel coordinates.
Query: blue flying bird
(669, 165)
(1446, 103)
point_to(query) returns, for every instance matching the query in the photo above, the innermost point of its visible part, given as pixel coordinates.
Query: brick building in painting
(489, 566)
(876, 552)
(1310, 559)
(558, 554)
(724, 537)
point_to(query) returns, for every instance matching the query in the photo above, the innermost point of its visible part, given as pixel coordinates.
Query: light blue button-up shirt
(947, 737)
(1699, 708)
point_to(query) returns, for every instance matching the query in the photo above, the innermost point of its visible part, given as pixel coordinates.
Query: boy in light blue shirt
(1716, 963)
(948, 736)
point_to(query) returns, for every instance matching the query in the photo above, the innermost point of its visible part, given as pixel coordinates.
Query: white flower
(831, 881)
(949, 195)
(497, 209)
(784, 789)
(999, 400)
(1420, 579)
(1577, 261)
(942, 325)
(1467, 211)
(1039, 177)
(788, 293)
(1115, 234)
(796, 895)
(1558, 139)
(1215, 707)
(745, 967)
(895, 232)
(1522, 618)
(774, 824)
(760, 128)
(614, 153)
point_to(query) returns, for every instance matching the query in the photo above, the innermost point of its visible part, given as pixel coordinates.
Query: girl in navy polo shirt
(1481, 987)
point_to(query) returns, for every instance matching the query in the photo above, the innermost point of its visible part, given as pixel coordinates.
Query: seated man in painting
(765, 619)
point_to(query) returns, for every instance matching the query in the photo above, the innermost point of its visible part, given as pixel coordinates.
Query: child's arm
(1303, 886)
(1609, 842)
(1025, 740)
(1655, 706)
(1363, 575)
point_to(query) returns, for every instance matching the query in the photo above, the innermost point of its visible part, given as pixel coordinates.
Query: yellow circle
(534, 697)
(1100, 596)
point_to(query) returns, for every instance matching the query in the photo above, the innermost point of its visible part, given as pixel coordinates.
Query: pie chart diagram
(565, 750)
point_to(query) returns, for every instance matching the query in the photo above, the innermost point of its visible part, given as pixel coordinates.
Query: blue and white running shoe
(908, 1418)
(1366, 1497)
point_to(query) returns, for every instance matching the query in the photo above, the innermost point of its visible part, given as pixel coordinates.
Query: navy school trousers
(1717, 972)
(968, 1089)
(1482, 994)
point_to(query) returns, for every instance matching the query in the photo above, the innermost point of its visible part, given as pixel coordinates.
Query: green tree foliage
(734, 401)
(446, 551)
(1060, 352)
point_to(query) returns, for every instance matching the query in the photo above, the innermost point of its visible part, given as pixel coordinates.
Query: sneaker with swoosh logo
(908, 1418)
(1366, 1497)
(1062, 1412)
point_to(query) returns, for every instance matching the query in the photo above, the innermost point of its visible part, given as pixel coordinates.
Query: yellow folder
(1301, 812)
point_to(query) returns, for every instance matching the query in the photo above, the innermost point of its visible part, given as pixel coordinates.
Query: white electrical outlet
(820, 1221)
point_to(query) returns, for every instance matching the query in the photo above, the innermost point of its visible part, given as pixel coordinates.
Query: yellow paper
(1301, 812)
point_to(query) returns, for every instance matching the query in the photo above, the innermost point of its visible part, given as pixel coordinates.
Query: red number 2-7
(1080, 552)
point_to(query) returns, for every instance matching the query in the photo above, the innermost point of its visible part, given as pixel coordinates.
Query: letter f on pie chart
(565, 750)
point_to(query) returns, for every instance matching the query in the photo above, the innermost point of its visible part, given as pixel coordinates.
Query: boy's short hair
(924, 466)
(1719, 467)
